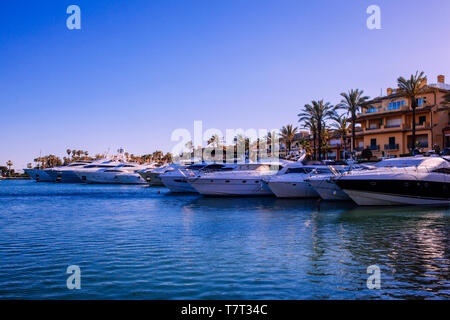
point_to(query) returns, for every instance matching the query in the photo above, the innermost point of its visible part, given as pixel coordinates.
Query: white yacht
(66, 173)
(83, 172)
(177, 180)
(123, 173)
(400, 181)
(152, 175)
(134, 177)
(40, 175)
(291, 182)
(244, 180)
(326, 187)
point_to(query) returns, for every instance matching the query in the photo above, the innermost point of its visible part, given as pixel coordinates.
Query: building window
(391, 141)
(392, 123)
(396, 105)
(373, 142)
(421, 101)
(422, 120)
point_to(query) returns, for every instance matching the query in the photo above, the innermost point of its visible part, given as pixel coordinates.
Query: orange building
(386, 122)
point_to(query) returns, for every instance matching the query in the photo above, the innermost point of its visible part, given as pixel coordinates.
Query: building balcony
(374, 128)
(385, 109)
(419, 126)
(374, 148)
(391, 147)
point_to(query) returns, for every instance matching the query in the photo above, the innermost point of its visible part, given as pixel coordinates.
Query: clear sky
(137, 70)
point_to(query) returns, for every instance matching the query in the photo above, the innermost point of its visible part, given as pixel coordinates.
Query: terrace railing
(391, 147)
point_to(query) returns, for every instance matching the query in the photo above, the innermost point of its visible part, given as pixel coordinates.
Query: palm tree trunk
(345, 146)
(414, 128)
(353, 132)
(319, 128)
(314, 145)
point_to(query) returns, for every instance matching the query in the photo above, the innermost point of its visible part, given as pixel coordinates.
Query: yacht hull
(328, 190)
(130, 179)
(177, 184)
(364, 198)
(40, 175)
(98, 177)
(152, 178)
(366, 192)
(231, 187)
(292, 189)
(64, 176)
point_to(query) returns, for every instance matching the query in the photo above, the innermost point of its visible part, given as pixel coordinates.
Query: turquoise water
(134, 242)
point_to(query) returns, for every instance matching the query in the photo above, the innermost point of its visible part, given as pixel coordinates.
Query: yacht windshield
(298, 170)
(322, 171)
(399, 163)
(217, 167)
(99, 166)
(195, 166)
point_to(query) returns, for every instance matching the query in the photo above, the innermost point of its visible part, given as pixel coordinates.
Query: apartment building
(385, 125)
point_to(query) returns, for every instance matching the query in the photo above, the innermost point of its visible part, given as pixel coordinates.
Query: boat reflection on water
(331, 244)
(271, 204)
(410, 245)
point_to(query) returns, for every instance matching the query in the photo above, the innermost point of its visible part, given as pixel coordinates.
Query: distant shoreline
(15, 178)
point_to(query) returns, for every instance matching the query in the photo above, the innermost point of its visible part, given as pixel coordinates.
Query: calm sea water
(133, 242)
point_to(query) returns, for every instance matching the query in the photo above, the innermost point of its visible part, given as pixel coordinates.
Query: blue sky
(137, 70)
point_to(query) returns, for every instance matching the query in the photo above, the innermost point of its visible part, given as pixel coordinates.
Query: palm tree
(214, 141)
(168, 157)
(157, 155)
(311, 126)
(411, 88)
(68, 151)
(318, 111)
(446, 101)
(341, 127)
(9, 164)
(287, 135)
(352, 103)
(306, 146)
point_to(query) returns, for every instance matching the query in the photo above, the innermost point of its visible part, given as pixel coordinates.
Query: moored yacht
(66, 173)
(127, 177)
(400, 181)
(291, 182)
(40, 175)
(326, 187)
(83, 172)
(152, 175)
(244, 180)
(178, 180)
(123, 173)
